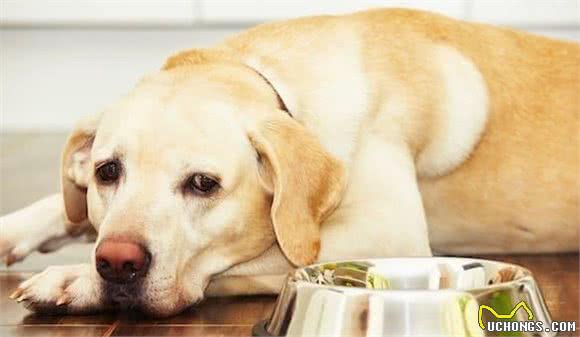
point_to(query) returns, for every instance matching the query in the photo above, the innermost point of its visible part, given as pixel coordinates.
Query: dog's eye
(202, 184)
(109, 172)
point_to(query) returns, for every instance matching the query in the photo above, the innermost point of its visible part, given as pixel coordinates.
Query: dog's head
(196, 170)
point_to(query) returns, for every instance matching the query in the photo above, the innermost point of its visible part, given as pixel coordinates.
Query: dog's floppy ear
(74, 172)
(306, 180)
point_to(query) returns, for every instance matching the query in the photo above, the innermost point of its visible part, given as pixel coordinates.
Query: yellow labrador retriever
(376, 134)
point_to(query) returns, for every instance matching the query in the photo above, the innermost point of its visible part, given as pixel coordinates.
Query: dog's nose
(122, 261)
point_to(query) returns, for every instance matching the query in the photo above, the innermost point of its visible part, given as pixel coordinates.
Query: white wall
(61, 59)
(51, 77)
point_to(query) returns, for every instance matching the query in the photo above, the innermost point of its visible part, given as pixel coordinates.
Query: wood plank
(53, 331)
(241, 310)
(184, 330)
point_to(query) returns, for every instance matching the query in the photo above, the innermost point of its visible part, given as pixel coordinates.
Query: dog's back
(518, 189)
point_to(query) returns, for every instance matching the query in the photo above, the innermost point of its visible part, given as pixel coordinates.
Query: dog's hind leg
(40, 226)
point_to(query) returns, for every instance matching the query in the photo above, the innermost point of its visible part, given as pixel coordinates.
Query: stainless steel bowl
(409, 297)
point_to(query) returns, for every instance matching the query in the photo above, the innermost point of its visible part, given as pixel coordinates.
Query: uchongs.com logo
(505, 322)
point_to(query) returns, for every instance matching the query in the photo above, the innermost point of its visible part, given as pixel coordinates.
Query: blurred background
(63, 59)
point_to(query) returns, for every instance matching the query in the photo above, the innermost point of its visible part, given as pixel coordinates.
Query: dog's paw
(61, 289)
(14, 249)
(30, 229)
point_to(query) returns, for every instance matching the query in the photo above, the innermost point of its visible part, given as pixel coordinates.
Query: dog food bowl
(409, 297)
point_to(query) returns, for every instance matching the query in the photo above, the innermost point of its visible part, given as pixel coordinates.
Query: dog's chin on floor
(122, 297)
(130, 300)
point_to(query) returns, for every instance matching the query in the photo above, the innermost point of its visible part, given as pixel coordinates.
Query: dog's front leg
(246, 285)
(40, 226)
(263, 275)
(62, 289)
(381, 214)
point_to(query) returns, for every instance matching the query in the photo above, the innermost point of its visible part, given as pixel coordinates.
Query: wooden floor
(232, 316)
(556, 274)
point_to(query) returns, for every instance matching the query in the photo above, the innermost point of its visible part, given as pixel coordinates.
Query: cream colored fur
(409, 132)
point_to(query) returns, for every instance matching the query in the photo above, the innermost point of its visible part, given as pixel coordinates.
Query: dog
(382, 133)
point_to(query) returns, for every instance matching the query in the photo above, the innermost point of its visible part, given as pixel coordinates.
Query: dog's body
(399, 119)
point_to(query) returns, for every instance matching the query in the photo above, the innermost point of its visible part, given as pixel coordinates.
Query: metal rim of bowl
(261, 327)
